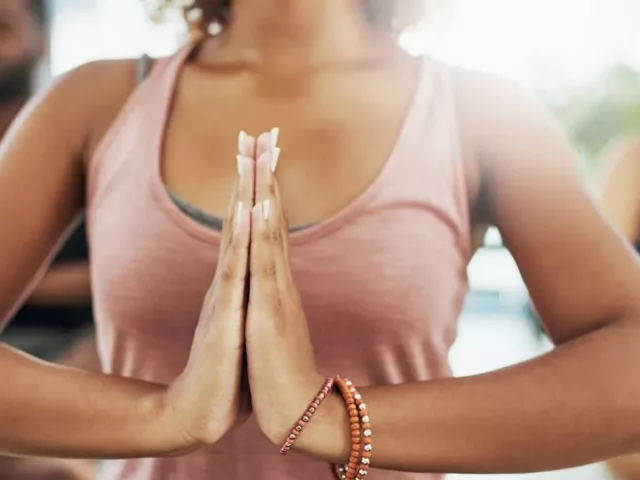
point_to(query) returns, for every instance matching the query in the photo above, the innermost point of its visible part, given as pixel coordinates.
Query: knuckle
(226, 221)
(276, 306)
(227, 274)
(266, 236)
(271, 188)
(268, 271)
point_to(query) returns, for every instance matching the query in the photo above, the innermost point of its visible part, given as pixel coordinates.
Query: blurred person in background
(620, 196)
(55, 322)
(389, 165)
(621, 188)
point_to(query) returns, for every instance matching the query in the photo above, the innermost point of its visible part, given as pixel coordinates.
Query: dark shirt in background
(65, 319)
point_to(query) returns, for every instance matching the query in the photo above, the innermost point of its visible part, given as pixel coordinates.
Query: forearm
(63, 286)
(574, 406)
(48, 410)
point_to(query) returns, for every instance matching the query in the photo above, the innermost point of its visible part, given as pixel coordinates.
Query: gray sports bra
(197, 214)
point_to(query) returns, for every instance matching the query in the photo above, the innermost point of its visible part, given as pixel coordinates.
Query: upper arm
(580, 273)
(620, 191)
(42, 174)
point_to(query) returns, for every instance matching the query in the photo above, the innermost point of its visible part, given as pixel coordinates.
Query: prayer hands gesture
(252, 308)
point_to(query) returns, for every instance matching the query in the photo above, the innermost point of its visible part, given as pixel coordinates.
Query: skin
(295, 66)
(620, 192)
(22, 45)
(621, 203)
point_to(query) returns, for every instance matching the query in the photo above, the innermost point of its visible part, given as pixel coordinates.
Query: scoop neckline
(166, 98)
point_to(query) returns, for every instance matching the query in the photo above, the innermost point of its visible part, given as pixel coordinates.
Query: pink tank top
(389, 269)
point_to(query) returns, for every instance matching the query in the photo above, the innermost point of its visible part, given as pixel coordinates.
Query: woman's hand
(282, 369)
(206, 401)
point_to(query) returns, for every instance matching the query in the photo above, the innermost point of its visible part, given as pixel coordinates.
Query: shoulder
(509, 138)
(507, 127)
(99, 90)
(83, 100)
(68, 111)
(95, 83)
(92, 95)
(497, 114)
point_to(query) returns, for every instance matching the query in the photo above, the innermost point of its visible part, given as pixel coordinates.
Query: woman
(389, 165)
(621, 203)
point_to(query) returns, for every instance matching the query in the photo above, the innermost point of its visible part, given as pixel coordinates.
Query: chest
(388, 267)
(337, 133)
(385, 278)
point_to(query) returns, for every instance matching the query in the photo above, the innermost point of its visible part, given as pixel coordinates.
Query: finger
(283, 223)
(246, 181)
(264, 284)
(268, 143)
(274, 234)
(246, 145)
(267, 191)
(225, 235)
(246, 169)
(242, 189)
(232, 267)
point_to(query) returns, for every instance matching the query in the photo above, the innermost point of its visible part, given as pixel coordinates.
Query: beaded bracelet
(359, 461)
(365, 424)
(307, 416)
(348, 471)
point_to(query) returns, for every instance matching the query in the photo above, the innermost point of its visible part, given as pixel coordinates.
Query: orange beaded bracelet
(354, 420)
(361, 446)
(365, 425)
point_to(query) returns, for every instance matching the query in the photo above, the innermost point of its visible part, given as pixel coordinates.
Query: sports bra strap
(144, 67)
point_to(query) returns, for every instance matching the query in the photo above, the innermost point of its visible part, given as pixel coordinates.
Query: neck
(292, 33)
(8, 112)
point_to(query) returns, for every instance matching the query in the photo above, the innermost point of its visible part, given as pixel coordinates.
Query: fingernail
(240, 160)
(266, 209)
(237, 218)
(274, 134)
(275, 156)
(242, 141)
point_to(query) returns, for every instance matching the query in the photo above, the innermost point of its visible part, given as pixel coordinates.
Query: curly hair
(393, 16)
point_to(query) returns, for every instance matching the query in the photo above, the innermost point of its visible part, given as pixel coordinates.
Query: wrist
(328, 435)
(165, 426)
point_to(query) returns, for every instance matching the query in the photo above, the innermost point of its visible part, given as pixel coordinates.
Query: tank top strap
(161, 85)
(143, 69)
(430, 167)
(141, 120)
(445, 104)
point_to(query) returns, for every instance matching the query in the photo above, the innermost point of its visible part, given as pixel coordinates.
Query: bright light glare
(107, 29)
(534, 41)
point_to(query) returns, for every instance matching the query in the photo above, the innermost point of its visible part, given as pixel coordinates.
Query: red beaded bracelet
(307, 416)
